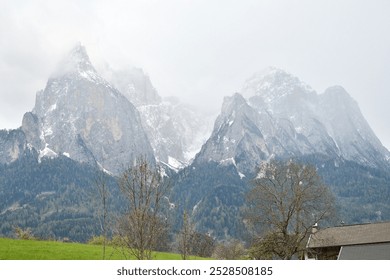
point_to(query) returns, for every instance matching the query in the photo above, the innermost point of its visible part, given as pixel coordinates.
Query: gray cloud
(202, 50)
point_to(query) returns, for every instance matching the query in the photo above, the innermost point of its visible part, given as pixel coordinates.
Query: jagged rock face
(82, 116)
(236, 138)
(285, 118)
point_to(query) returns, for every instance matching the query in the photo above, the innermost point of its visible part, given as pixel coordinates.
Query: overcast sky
(202, 50)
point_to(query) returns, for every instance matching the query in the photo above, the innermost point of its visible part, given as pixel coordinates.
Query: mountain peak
(76, 62)
(79, 54)
(337, 95)
(230, 103)
(272, 70)
(235, 98)
(337, 92)
(272, 84)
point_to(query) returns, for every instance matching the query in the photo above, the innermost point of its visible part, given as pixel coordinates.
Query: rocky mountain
(82, 116)
(282, 118)
(176, 130)
(285, 118)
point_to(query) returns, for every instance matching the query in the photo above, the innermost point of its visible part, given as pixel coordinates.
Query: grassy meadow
(14, 249)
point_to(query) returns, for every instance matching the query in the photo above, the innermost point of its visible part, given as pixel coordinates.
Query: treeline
(363, 193)
(56, 198)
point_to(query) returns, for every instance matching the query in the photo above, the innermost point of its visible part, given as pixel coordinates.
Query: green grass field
(13, 249)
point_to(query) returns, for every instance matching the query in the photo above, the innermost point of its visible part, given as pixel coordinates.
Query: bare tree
(191, 242)
(184, 238)
(287, 200)
(145, 223)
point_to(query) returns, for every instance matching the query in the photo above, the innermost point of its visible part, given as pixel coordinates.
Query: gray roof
(379, 251)
(350, 235)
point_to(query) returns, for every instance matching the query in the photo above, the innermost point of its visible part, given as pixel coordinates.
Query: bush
(24, 234)
(97, 240)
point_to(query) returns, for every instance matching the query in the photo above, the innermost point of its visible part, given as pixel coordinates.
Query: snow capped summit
(273, 84)
(79, 59)
(77, 66)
